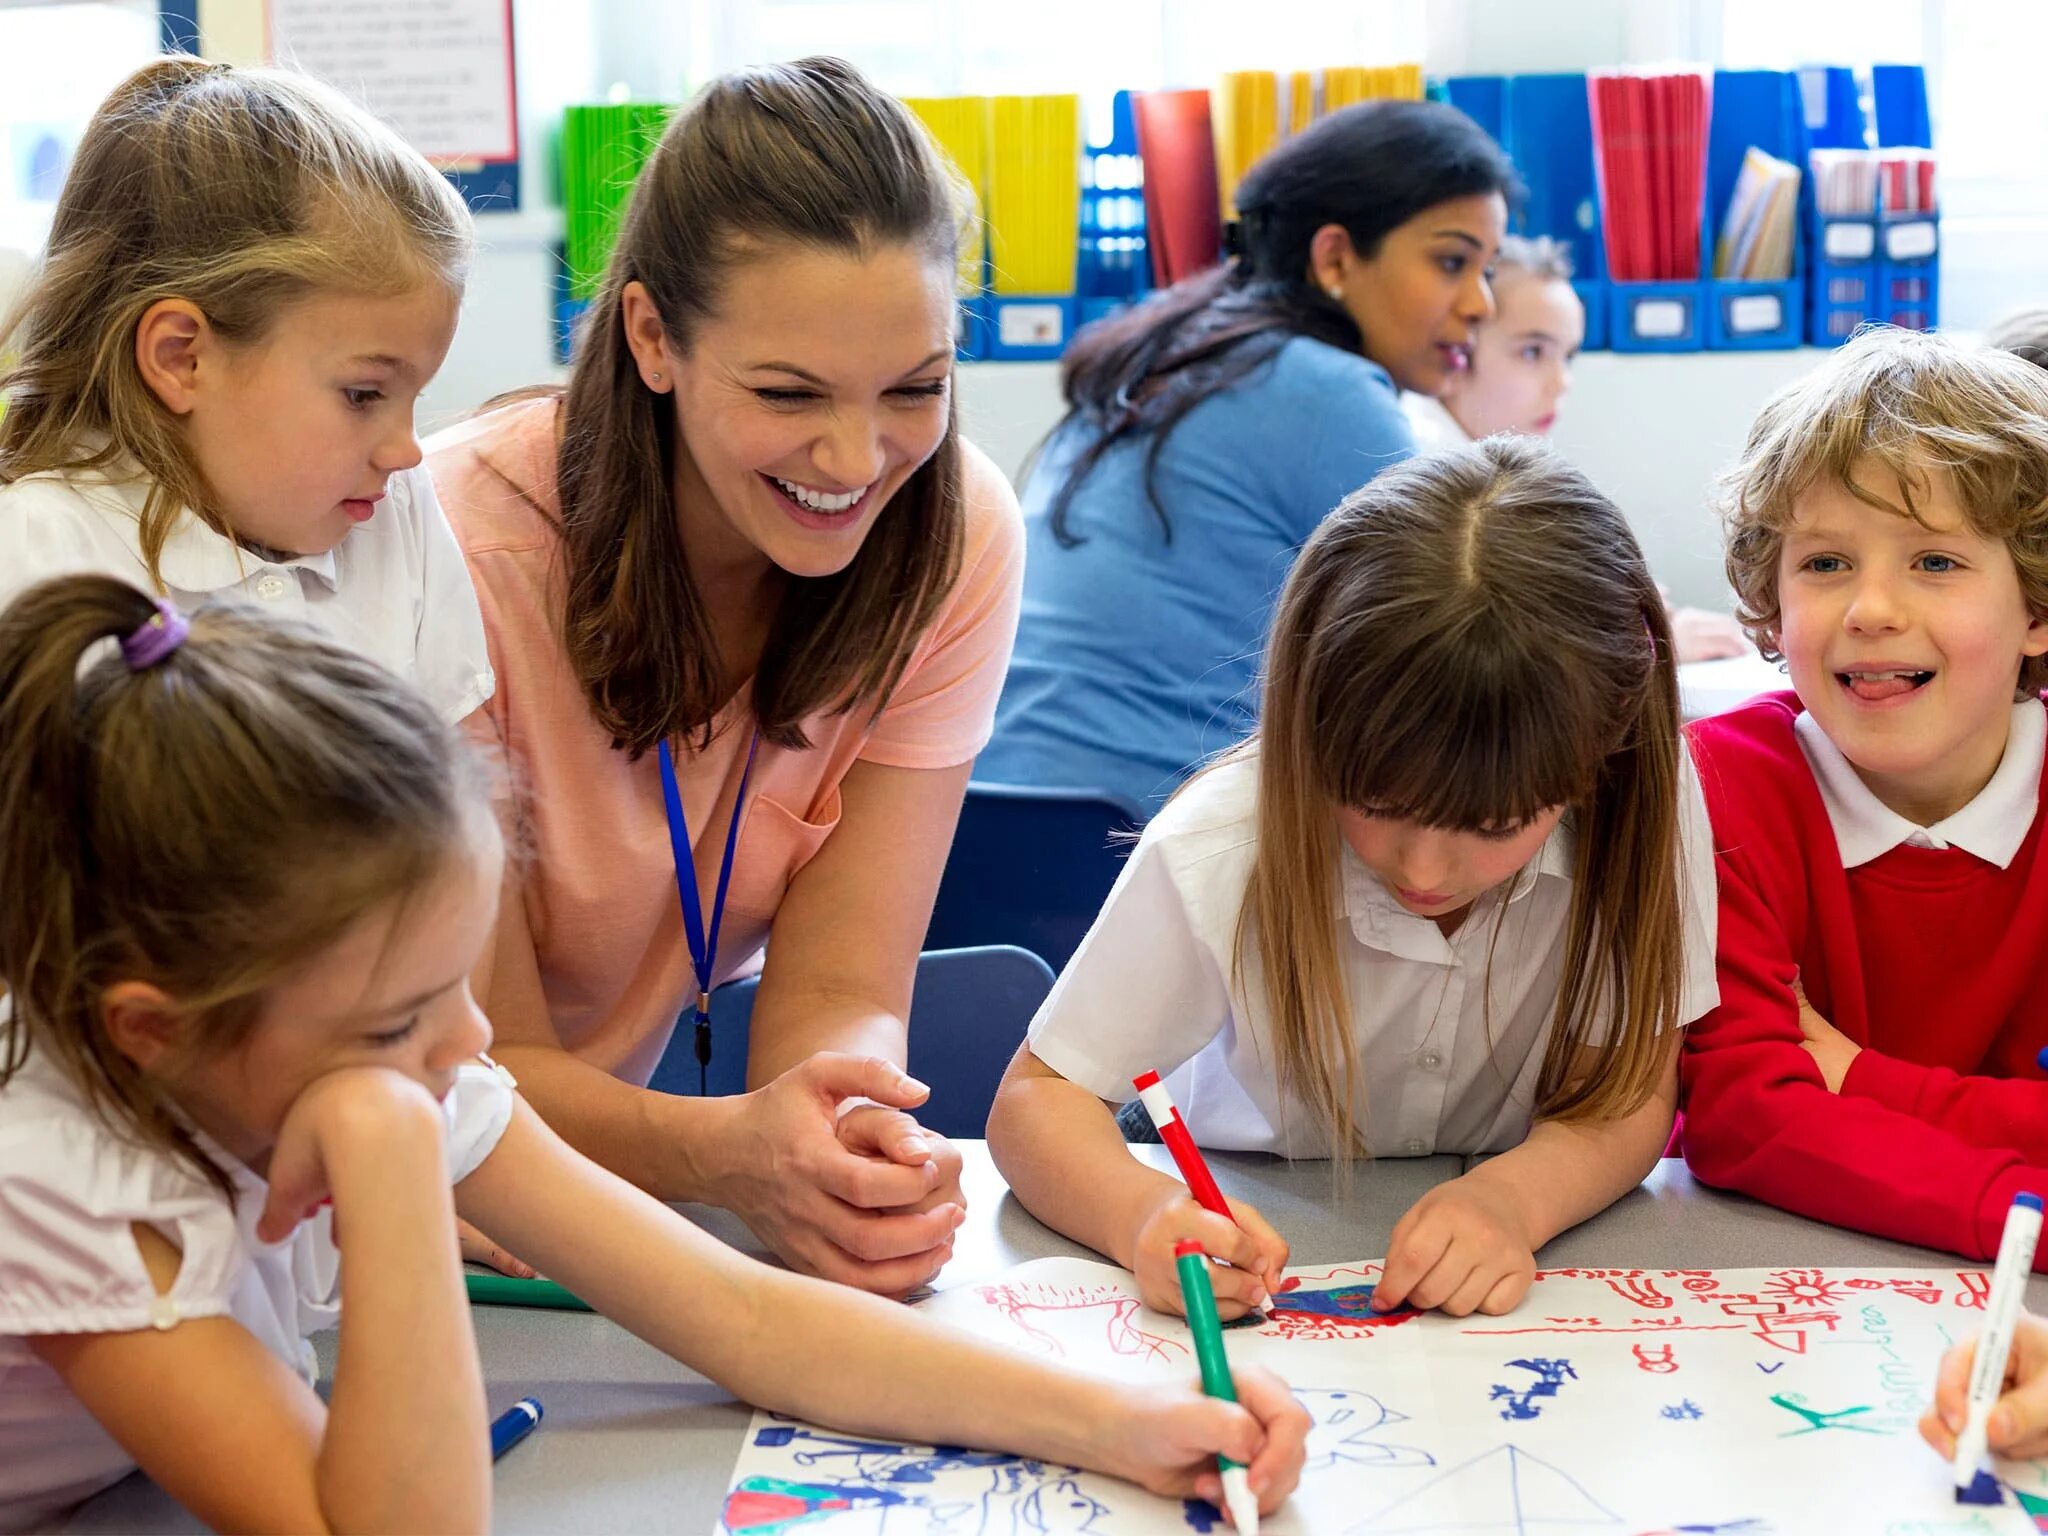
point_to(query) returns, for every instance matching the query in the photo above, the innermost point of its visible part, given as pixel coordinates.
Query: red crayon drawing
(1656, 1359)
(1019, 1302)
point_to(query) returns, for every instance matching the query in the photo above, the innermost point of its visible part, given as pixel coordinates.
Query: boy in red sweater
(1883, 949)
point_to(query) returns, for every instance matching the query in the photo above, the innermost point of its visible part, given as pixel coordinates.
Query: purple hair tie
(155, 638)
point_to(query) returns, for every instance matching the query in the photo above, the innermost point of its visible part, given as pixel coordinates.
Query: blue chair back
(1030, 867)
(967, 1018)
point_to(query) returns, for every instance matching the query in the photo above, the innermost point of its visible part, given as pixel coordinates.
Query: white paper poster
(1623, 1402)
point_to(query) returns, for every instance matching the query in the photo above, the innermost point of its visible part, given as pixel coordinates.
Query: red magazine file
(1183, 207)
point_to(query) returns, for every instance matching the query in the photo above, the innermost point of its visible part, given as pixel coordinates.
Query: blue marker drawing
(1521, 1402)
(1353, 1301)
(938, 1488)
(1772, 1369)
(1684, 1409)
(1347, 1423)
(1504, 1490)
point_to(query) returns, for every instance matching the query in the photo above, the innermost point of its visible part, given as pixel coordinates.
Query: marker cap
(2027, 1198)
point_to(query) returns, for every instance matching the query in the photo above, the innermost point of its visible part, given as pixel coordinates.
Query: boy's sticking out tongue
(1878, 686)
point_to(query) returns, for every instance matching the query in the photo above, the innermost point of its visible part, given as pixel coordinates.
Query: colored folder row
(1650, 153)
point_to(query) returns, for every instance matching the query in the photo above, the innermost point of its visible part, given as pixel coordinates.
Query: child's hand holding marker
(1240, 1484)
(1241, 1238)
(1170, 1441)
(2018, 1426)
(1462, 1248)
(1227, 1230)
(1975, 1387)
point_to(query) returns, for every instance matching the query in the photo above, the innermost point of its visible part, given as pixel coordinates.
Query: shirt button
(1430, 1060)
(1415, 1146)
(270, 588)
(163, 1314)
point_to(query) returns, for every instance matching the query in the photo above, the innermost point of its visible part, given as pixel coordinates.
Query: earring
(655, 377)
(1336, 292)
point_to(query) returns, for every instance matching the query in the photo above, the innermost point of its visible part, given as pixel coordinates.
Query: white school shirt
(395, 589)
(1431, 421)
(1992, 826)
(69, 1187)
(1150, 988)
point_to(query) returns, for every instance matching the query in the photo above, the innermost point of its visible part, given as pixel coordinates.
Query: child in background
(211, 1039)
(1454, 896)
(247, 284)
(1519, 370)
(2023, 333)
(1884, 898)
(1521, 359)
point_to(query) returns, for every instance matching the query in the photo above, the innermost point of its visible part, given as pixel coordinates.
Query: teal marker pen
(1200, 1300)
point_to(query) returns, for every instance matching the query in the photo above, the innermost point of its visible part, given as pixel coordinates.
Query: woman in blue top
(1210, 429)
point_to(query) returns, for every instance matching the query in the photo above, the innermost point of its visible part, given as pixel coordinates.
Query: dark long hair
(807, 154)
(1371, 168)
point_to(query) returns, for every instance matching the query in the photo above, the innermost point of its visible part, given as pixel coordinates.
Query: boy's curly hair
(1881, 418)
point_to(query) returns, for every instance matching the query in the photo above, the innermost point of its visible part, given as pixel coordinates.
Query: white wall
(1651, 431)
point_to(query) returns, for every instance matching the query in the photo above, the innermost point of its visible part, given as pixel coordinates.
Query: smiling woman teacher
(750, 599)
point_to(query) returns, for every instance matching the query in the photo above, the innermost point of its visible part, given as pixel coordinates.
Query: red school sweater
(1932, 960)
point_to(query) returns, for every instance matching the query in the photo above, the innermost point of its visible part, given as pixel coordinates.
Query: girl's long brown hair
(204, 825)
(240, 190)
(808, 155)
(1468, 641)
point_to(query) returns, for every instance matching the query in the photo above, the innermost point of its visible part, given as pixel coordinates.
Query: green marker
(1193, 1265)
(508, 1291)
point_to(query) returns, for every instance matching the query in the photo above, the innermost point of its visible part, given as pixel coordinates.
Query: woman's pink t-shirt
(599, 878)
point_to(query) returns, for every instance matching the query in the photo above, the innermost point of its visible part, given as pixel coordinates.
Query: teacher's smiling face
(803, 405)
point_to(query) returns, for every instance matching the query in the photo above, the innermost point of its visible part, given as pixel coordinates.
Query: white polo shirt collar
(1380, 921)
(1991, 827)
(197, 558)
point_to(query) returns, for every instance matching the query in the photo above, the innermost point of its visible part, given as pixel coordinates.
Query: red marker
(1186, 1155)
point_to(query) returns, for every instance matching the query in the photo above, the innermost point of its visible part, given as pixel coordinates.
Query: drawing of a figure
(912, 1488)
(1021, 1303)
(1793, 1402)
(1347, 1423)
(1655, 1359)
(1521, 1401)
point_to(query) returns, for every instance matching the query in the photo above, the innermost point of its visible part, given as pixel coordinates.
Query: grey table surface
(635, 1442)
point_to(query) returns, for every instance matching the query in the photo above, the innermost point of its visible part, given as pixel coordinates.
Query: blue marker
(2016, 1248)
(514, 1425)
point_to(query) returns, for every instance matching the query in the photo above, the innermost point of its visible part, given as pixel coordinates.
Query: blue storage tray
(1909, 270)
(1755, 316)
(1592, 294)
(1761, 108)
(1548, 132)
(1484, 99)
(1841, 278)
(1028, 327)
(1657, 317)
(972, 344)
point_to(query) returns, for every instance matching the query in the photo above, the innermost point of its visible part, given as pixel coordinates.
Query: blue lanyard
(703, 948)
